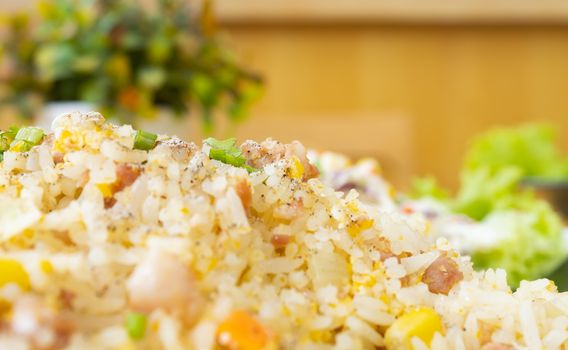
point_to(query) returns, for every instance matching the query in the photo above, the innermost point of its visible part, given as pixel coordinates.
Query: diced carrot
(241, 331)
(407, 210)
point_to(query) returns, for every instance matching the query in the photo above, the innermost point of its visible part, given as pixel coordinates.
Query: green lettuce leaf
(531, 148)
(531, 243)
(428, 187)
(532, 247)
(226, 151)
(483, 190)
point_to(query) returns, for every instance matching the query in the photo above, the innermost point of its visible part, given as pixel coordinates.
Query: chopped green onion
(249, 168)
(6, 138)
(227, 152)
(144, 140)
(4, 143)
(235, 160)
(20, 146)
(30, 134)
(135, 324)
(1, 156)
(221, 144)
(217, 154)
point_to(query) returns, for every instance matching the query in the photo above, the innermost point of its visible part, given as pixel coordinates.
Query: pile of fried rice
(103, 246)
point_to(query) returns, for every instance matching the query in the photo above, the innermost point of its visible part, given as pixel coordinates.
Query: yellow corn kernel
(363, 281)
(241, 331)
(422, 322)
(212, 264)
(126, 243)
(297, 169)
(59, 144)
(68, 141)
(11, 271)
(19, 146)
(359, 226)
(106, 189)
(353, 207)
(24, 240)
(185, 211)
(46, 267)
(321, 336)
(551, 287)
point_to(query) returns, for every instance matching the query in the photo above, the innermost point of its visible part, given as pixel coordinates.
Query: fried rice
(96, 236)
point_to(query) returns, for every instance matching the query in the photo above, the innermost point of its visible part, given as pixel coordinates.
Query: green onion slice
(30, 134)
(135, 324)
(20, 146)
(6, 138)
(144, 140)
(226, 151)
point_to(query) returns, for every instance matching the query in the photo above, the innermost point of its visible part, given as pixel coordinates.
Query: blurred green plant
(126, 59)
(18, 87)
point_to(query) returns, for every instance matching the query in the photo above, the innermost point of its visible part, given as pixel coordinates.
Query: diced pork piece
(58, 157)
(442, 275)
(260, 155)
(270, 151)
(125, 176)
(382, 245)
(244, 192)
(279, 241)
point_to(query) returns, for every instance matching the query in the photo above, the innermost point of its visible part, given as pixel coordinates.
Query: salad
(491, 217)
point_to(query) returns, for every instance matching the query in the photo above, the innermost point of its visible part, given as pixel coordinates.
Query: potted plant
(20, 92)
(131, 63)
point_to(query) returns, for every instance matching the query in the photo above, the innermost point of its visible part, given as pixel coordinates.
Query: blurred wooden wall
(410, 85)
(451, 81)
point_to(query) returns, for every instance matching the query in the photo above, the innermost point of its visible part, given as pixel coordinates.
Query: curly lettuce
(530, 243)
(531, 148)
(428, 187)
